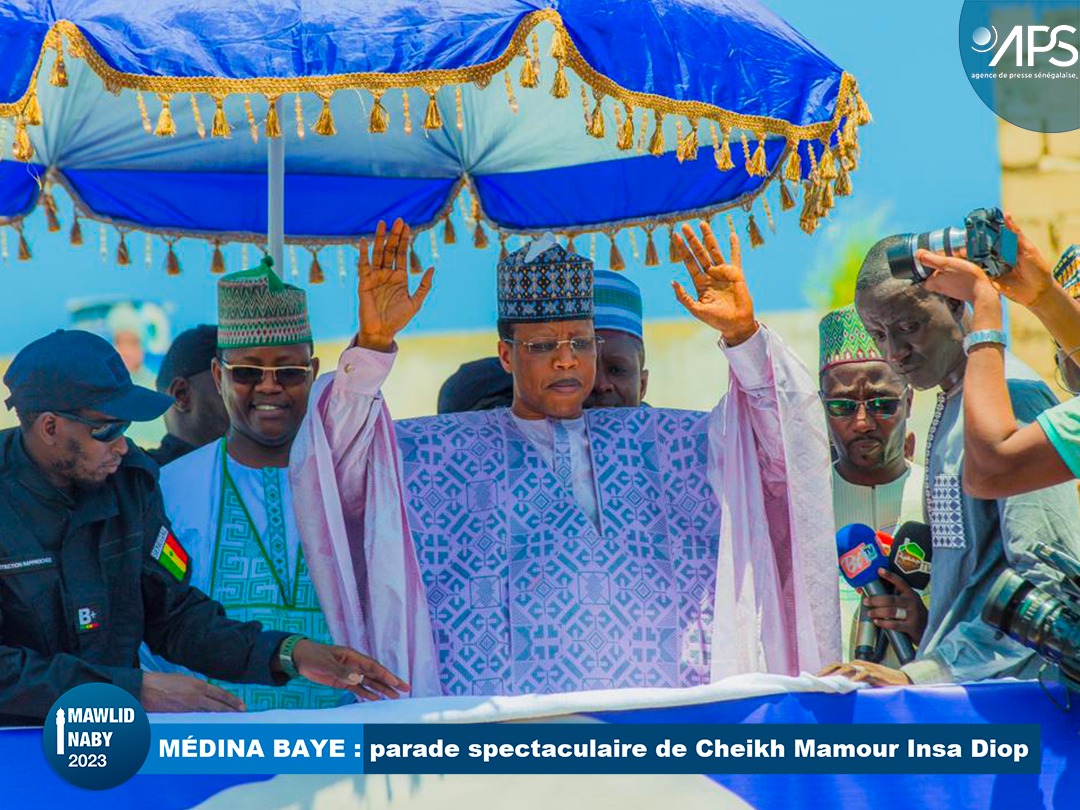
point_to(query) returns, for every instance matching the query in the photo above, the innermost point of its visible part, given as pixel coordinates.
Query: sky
(929, 157)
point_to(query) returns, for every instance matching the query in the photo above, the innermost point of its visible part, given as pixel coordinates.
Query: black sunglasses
(884, 407)
(285, 376)
(99, 431)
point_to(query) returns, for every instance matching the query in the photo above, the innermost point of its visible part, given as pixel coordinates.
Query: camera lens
(1032, 616)
(901, 256)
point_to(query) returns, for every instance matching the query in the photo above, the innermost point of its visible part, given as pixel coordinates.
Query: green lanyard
(275, 551)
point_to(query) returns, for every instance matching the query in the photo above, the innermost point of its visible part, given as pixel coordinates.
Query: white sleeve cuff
(928, 670)
(749, 361)
(363, 371)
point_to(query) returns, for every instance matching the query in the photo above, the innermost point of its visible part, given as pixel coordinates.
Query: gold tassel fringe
(298, 106)
(674, 254)
(200, 127)
(615, 257)
(843, 183)
(828, 164)
(652, 257)
(123, 258)
(252, 126)
(787, 201)
(722, 150)
(570, 247)
(325, 125)
(757, 166)
(148, 128)
(503, 252)
(272, 128)
(405, 111)
(415, 267)
(172, 263)
(560, 85)
(688, 146)
(315, 272)
(432, 118)
(33, 110)
(558, 46)
(449, 235)
(656, 143)
(596, 120)
(480, 237)
(24, 248)
(166, 127)
(862, 112)
(459, 110)
(220, 127)
(48, 202)
(510, 97)
(76, 235)
(626, 129)
(756, 239)
(793, 169)
(217, 262)
(379, 120)
(529, 77)
(768, 215)
(22, 149)
(58, 76)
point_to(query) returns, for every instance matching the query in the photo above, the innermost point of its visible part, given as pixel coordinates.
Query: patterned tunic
(526, 595)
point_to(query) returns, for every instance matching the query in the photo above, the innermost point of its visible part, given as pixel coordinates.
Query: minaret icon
(60, 719)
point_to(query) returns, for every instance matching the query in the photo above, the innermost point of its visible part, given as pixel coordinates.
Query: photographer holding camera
(923, 336)
(1002, 457)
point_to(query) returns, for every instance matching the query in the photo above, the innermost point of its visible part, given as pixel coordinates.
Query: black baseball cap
(188, 355)
(71, 369)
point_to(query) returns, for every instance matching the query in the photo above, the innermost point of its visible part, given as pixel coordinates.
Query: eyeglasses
(285, 376)
(578, 345)
(104, 432)
(878, 407)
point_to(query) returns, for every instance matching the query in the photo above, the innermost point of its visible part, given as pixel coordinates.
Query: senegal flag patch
(171, 555)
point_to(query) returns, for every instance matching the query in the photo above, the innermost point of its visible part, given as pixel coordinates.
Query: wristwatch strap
(980, 336)
(285, 658)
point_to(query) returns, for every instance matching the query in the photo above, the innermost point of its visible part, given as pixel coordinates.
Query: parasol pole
(275, 209)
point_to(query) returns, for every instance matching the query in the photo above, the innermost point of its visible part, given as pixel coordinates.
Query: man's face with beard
(81, 460)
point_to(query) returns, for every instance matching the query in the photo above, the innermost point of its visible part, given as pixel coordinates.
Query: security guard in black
(82, 581)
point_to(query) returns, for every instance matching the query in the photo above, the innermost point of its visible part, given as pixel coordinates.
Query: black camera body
(1046, 620)
(984, 240)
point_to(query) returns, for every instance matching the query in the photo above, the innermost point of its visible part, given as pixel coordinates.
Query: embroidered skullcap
(543, 282)
(844, 339)
(257, 308)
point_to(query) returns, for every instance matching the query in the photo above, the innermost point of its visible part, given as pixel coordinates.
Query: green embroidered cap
(257, 308)
(844, 339)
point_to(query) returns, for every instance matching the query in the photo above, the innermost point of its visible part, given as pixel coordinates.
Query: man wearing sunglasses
(566, 549)
(238, 503)
(925, 337)
(866, 408)
(89, 565)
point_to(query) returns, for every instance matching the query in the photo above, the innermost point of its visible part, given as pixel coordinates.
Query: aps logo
(1032, 39)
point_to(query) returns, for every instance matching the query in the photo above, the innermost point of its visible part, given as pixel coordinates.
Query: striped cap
(618, 303)
(256, 308)
(844, 339)
(1067, 270)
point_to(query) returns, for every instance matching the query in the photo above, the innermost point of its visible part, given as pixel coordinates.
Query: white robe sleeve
(776, 607)
(345, 459)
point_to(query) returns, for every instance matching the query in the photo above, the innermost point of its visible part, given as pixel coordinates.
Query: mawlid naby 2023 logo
(1023, 60)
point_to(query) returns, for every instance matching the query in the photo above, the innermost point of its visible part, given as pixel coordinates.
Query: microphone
(860, 557)
(867, 636)
(911, 554)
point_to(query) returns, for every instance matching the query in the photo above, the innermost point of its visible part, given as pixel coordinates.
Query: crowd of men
(290, 545)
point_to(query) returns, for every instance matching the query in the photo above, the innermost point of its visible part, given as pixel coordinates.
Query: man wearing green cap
(566, 549)
(237, 503)
(867, 405)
